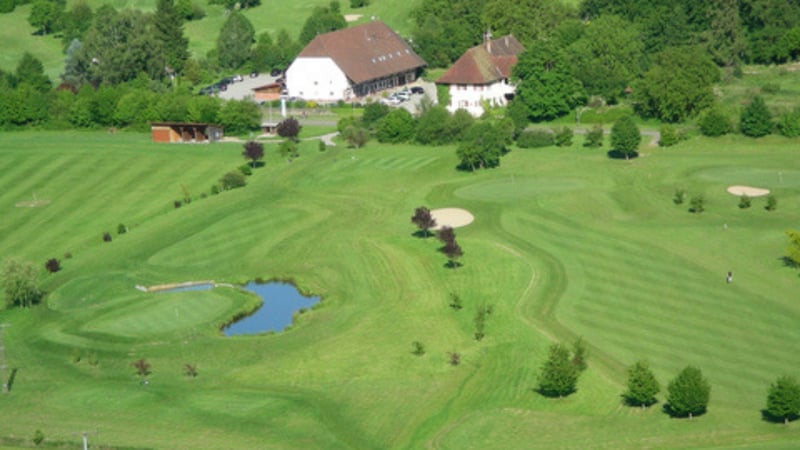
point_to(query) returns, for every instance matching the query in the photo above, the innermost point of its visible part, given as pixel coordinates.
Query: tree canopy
(625, 136)
(678, 85)
(642, 385)
(558, 376)
(546, 88)
(322, 20)
(688, 393)
(756, 119)
(234, 41)
(783, 399)
(20, 283)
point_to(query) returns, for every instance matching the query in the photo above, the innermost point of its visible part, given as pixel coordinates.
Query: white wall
(469, 97)
(318, 79)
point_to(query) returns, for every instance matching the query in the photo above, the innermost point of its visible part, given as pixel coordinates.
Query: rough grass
(566, 243)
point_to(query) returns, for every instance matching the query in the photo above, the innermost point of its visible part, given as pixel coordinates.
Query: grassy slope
(565, 243)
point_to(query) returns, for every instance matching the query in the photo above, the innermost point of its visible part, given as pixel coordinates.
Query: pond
(280, 301)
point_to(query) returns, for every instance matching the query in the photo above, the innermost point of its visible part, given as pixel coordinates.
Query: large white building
(481, 75)
(352, 62)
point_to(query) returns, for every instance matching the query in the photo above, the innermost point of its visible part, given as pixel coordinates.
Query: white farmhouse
(352, 62)
(481, 75)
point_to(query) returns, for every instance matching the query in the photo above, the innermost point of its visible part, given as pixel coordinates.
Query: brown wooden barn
(185, 132)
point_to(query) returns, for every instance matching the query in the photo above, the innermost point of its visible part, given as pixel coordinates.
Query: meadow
(566, 243)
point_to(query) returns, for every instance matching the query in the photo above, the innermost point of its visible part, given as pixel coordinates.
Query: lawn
(566, 243)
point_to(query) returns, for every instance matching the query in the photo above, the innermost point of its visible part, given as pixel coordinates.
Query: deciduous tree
(289, 128)
(688, 393)
(625, 136)
(546, 86)
(423, 219)
(793, 252)
(322, 20)
(396, 127)
(254, 151)
(20, 283)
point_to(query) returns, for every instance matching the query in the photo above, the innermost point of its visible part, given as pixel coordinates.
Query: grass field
(566, 243)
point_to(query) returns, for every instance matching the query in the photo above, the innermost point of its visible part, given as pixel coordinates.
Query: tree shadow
(667, 409)
(630, 402)
(452, 264)
(553, 394)
(616, 154)
(257, 165)
(11, 378)
(767, 417)
(789, 262)
(421, 234)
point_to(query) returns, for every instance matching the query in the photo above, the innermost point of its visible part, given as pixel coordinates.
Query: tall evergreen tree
(558, 376)
(756, 119)
(725, 42)
(688, 393)
(30, 71)
(642, 385)
(234, 41)
(168, 32)
(322, 20)
(783, 399)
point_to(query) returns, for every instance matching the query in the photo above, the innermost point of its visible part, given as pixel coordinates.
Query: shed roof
(365, 52)
(484, 63)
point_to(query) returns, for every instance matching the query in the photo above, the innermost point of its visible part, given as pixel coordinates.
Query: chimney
(487, 39)
(506, 40)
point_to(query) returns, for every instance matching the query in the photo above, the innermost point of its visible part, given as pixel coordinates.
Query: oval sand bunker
(451, 217)
(747, 190)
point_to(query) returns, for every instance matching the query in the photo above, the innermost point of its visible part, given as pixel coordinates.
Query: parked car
(402, 95)
(276, 72)
(417, 90)
(237, 78)
(253, 74)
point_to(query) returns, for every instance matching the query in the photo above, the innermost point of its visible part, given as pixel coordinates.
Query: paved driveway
(240, 90)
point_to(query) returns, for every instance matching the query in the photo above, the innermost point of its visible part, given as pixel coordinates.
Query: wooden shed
(268, 92)
(185, 132)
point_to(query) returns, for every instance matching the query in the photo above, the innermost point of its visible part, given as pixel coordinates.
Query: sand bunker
(747, 190)
(352, 17)
(451, 217)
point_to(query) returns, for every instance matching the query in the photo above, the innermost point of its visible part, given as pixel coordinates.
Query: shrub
(177, 203)
(771, 88)
(356, 137)
(714, 123)
(697, 204)
(215, 189)
(594, 137)
(772, 203)
(76, 355)
(289, 128)
(288, 149)
(67, 255)
(122, 229)
(669, 136)
(344, 123)
(455, 359)
(744, 201)
(38, 437)
(680, 196)
(789, 124)
(246, 170)
(535, 139)
(564, 137)
(322, 146)
(190, 370)
(106, 237)
(232, 180)
(455, 301)
(358, 3)
(92, 359)
(419, 348)
(52, 265)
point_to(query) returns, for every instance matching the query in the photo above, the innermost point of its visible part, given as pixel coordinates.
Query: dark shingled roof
(485, 63)
(365, 52)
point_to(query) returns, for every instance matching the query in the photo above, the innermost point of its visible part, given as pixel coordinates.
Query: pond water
(280, 302)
